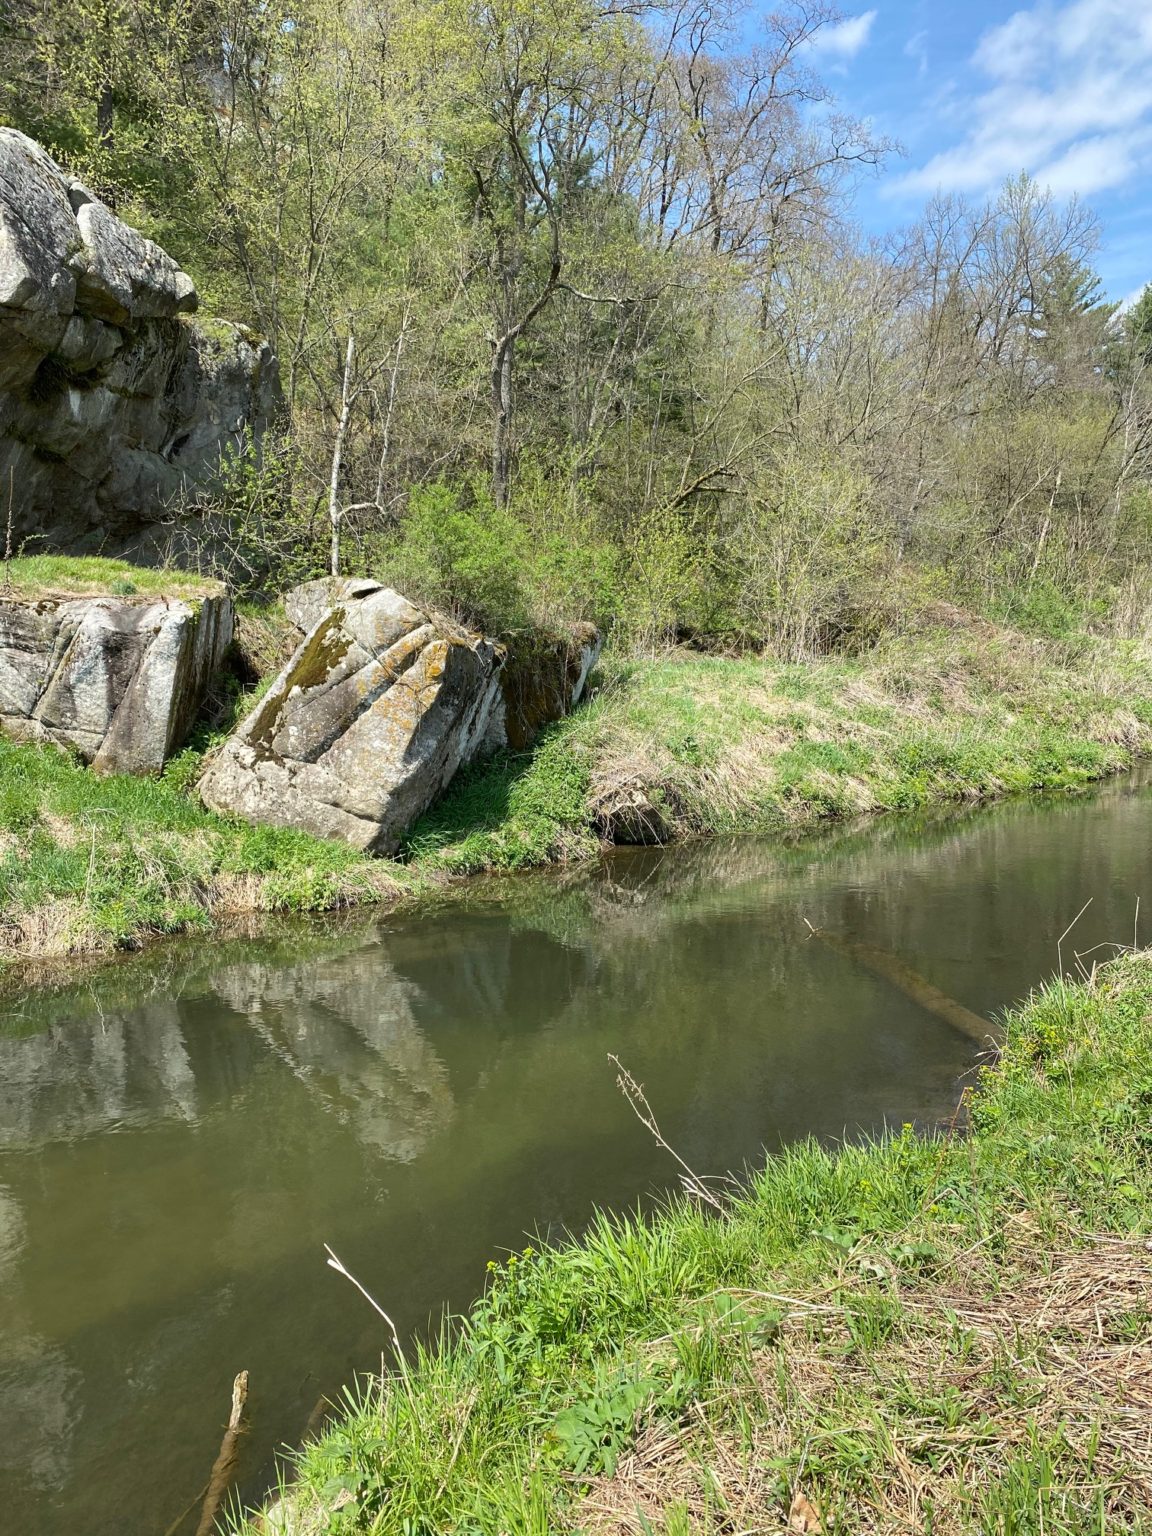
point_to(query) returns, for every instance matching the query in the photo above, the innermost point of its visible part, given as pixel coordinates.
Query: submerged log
(883, 963)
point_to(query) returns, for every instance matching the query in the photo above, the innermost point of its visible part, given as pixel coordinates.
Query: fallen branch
(224, 1467)
(883, 963)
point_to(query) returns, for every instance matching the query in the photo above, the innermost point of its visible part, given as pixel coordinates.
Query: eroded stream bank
(178, 1139)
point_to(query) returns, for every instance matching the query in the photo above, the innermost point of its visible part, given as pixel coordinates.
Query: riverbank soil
(677, 745)
(950, 1334)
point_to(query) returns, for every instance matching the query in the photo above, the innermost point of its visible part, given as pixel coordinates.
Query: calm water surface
(180, 1136)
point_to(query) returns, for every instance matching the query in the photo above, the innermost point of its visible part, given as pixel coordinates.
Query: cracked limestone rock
(117, 679)
(368, 722)
(378, 708)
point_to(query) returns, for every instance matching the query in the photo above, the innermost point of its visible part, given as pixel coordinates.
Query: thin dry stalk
(8, 530)
(693, 1184)
(340, 1268)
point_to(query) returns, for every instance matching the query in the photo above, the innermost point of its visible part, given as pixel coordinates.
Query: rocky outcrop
(117, 679)
(378, 708)
(115, 406)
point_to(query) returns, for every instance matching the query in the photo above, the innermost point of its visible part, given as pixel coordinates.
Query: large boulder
(115, 405)
(118, 679)
(379, 706)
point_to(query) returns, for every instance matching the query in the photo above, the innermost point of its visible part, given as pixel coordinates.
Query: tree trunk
(502, 419)
(334, 515)
(105, 110)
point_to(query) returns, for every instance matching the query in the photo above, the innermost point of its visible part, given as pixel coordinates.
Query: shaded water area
(181, 1134)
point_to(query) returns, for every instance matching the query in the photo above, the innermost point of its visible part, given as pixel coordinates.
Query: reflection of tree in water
(424, 1091)
(344, 1026)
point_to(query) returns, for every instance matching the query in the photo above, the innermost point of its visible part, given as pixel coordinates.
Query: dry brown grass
(689, 744)
(53, 930)
(926, 1430)
(265, 640)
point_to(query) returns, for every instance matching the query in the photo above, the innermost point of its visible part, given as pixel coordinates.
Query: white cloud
(1096, 164)
(917, 48)
(1067, 96)
(844, 39)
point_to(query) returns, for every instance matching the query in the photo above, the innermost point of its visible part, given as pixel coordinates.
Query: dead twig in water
(881, 962)
(634, 1093)
(224, 1467)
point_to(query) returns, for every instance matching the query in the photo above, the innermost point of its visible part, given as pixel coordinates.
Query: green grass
(90, 863)
(515, 811)
(688, 744)
(949, 1334)
(35, 575)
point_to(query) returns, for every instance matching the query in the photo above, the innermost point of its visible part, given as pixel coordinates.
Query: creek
(182, 1133)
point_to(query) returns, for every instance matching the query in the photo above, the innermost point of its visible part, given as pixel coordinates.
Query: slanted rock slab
(117, 679)
(380, 705)
(374, 713)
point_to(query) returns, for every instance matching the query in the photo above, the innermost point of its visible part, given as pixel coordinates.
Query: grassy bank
(667, 747)
(947, 1335)
(93, 576)
(91, 864)
(691, 744)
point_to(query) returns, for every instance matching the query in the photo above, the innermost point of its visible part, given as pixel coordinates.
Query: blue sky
(979, 91)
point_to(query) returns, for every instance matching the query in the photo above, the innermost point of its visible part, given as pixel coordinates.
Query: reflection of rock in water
(38, 1411)
(345, 1027)
(342, 1023)
(75, 1080)
(13, 1233)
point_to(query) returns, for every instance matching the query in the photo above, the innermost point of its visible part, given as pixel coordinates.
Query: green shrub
(500, 569)
(1041, 608)
(458, 550)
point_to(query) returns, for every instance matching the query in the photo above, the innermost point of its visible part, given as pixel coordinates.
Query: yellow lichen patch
(437, 660)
